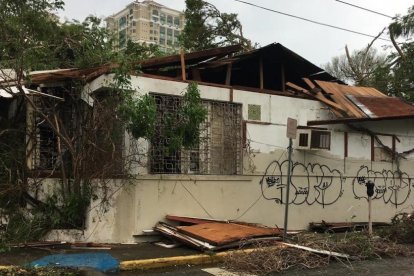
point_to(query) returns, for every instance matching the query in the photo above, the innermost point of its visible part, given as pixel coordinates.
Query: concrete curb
(199, 259)
(6, 267)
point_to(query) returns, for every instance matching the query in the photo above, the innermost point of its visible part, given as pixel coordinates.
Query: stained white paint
(140, 206)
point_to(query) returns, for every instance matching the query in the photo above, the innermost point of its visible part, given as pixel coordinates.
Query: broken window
(219, 148)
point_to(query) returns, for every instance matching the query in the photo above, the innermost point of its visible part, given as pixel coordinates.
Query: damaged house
(346, 136)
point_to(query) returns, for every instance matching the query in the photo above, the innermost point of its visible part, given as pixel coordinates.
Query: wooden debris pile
(264, 260)
(213, 235)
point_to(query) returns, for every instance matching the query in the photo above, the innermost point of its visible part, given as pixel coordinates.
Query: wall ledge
(194, 177)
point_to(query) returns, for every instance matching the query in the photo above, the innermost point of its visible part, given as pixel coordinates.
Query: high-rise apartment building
(147, 22)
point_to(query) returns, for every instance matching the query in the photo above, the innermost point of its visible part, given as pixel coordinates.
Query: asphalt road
(401, 266)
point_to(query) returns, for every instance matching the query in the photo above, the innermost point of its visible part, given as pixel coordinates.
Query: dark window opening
(320, 139)
(303, 139)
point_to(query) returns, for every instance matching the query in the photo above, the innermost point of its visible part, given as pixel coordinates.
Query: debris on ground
(43, 271)
(265, 259)
(357, 244)
(401, 229)
(312, 251)
(213, 235)
(338, 227)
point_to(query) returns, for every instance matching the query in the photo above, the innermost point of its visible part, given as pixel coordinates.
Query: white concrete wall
(324, 186)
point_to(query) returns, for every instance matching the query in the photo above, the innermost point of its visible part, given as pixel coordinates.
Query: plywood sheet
(223, 233)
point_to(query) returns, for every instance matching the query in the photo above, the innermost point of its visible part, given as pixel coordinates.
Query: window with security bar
(219, 150)
(321, 140)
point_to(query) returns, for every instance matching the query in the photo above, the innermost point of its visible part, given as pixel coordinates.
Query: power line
(365, 9)
(311, 21)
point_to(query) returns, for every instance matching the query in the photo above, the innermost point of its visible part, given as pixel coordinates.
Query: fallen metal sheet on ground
(103, 262)
(172, 232)
(215, 236)
(223, 233)
(322, 227)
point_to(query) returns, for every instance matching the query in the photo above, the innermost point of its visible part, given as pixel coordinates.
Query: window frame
(320, 139)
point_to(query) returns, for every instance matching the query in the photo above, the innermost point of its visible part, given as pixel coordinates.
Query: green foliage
(217, 29)
(192, 113)
(403, 26)
(182, 127)
(139, 115)
(82, 45)
(32, 39)
(26, 26)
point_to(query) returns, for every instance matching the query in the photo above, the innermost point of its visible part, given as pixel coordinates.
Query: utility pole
(370, 192)
(291, 134)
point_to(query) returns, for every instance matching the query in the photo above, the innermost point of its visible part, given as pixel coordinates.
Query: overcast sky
(316, 43)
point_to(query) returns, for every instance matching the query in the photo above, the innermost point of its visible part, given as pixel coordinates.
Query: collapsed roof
(273, 69)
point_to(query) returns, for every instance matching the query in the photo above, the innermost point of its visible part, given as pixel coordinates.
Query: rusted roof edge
(357, 120)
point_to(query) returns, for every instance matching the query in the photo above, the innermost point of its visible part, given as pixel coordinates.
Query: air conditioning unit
(303, 139)
(313, 139)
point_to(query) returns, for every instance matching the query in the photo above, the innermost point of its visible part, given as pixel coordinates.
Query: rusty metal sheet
(190, 220)
(386, 106)
(223, 233)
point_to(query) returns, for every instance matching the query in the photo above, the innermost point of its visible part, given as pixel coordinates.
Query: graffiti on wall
(319, 184)
(310, 184)
(391, 187)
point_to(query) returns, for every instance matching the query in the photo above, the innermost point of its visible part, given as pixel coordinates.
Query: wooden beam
(261, 72)
(183, 76)
(201, 55)
(340, 99)
(309, 83)
(318, 96)
(228, 74)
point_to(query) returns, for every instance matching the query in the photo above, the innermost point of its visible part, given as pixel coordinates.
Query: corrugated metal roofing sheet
(218, 233)
(386, 106)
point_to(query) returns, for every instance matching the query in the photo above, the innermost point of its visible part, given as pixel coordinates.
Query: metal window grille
(219, 150)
